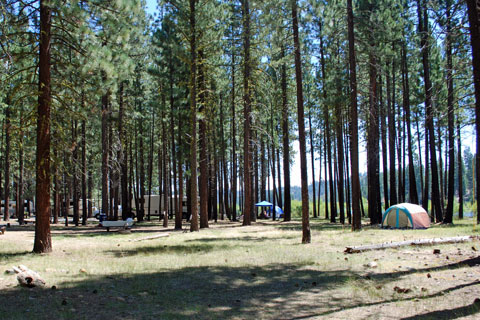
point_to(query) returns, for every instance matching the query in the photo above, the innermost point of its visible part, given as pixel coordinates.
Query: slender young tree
(8, 128)
(287, 208)
(451, 125)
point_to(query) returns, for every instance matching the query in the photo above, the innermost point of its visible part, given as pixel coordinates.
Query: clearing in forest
(234, 272)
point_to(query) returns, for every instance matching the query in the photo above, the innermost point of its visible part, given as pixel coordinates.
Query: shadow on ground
(200, 292)
(206, 292)
(160, 249)
(10, 255)
(447, 314)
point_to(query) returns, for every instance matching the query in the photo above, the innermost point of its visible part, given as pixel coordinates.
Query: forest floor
(234, 272)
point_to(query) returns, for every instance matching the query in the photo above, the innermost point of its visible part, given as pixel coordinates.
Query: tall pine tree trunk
(105, 152)
(287, 208)
(193, 119)
(150, 165)
(451, 125)
(20, 204)
(312, 158)
(43, 240)
(84, 175)
(474, 20)
(383, 132)
(306, 237)
(341, 182)
(76, 215)
(203, 161)
(413, 193)
(391, 142)
(179, 215)
(234, 143)
(460, 173)
(424, 43)
(356, 196)
(6, 201)
(374, 210)
(224, 164)
(248, 205)
(326, 116)
(126, 204)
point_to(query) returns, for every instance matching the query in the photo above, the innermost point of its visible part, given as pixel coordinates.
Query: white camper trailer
(157, 205)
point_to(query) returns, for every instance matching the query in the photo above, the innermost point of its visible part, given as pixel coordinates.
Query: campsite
(239, 159)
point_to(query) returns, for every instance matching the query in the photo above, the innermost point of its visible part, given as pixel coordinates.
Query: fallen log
(28, 278)
(417, 242)
(151, 237)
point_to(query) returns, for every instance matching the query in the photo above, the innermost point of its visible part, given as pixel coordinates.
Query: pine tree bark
(76, 215)
(193, 119)
(90, 192)
(84, 174)
(279, 179)
(234, 143)
(451, 138)
(306, 237)
(272, 167)
(328, 158)
(356, 196)
(105, 152)
(202, 128)
(287, 208)
(126, 204)
(56, 197)
(326, 175)
(165, 194)
(374, 210)
(340, 147)
(312, 158)
(474, 20)
(172, 136)
(248, 205)
(413, 193)
(423, 28)
(391, 143)
(20, 202)
(224, 164)
(460, 173)
(141, 213)
(383, 132)
(150, 166)
(179, 215)
(43, 240)
(6, 201)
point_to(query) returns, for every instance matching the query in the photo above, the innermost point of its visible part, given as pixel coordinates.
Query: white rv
(157, 205)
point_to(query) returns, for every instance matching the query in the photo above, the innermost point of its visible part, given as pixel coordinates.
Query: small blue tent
(278, 210)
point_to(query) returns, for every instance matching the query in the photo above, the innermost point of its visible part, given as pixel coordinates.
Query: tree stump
(28, 278)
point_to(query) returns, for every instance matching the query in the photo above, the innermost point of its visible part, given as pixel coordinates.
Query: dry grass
(234, 272)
